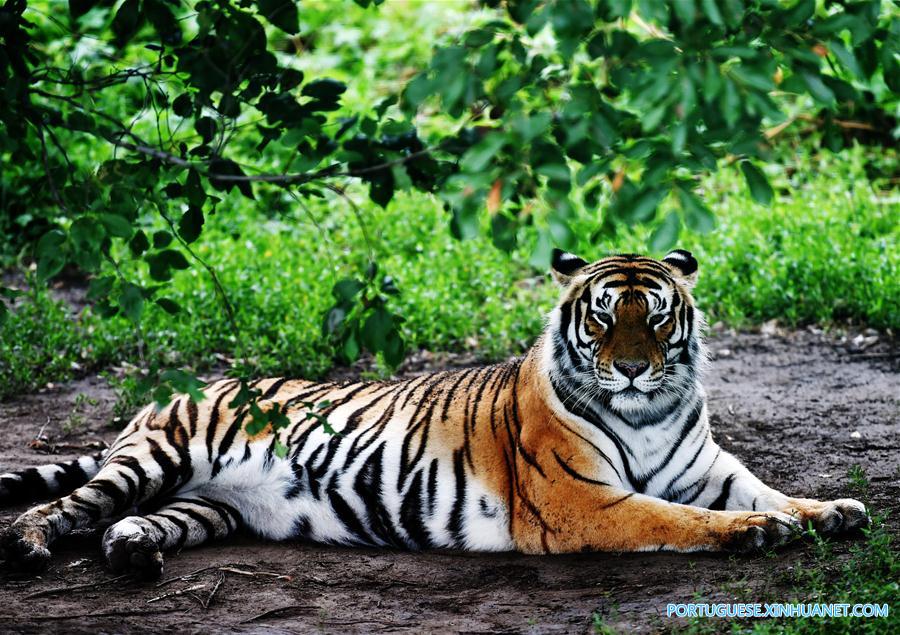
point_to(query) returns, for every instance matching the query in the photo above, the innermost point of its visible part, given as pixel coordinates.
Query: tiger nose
(631, 368)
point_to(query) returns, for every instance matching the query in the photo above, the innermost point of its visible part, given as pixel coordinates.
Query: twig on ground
(280, 609)
(254, 574)
(172, 594)
(893, 355)
(212, 594)
(78, 587)
(41, 444)
(187, 576)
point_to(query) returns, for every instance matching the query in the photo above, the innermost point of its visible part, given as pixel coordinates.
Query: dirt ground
(798, 408)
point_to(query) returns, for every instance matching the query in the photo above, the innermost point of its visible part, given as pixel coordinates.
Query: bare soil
(798, 408)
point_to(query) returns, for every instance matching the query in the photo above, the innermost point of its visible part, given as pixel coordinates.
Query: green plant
(202, 101)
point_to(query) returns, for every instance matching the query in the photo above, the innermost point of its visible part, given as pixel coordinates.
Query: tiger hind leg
(135, 544)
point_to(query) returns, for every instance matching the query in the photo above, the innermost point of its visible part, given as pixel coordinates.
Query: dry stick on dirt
(254, 574)
(209, 598)
(172, 594)
(856, 356)
(187, 576)
(40, 445)
(281, 609)
(80, 587)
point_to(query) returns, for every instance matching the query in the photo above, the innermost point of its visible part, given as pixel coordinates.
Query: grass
(821, 254)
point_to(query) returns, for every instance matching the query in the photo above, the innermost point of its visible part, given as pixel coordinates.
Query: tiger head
(625, 332)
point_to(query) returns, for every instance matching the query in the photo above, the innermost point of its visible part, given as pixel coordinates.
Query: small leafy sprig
(272, 415)
(360, 318)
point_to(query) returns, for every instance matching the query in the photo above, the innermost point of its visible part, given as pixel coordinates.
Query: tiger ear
(565, 266)
(684, 266)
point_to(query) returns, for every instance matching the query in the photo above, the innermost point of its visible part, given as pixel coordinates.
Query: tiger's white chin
(629, 401)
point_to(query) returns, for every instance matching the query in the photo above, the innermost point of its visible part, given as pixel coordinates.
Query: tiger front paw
(760, 531)
(836, 517)
(22, 552)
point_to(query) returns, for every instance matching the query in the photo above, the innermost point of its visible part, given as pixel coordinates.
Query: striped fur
(597, 439)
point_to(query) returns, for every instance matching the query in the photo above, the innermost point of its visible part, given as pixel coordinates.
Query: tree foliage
(118, 154)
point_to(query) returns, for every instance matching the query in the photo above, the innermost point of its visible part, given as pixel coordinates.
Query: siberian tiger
(596, 439)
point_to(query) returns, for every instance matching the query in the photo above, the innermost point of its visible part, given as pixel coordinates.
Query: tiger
(596, 439)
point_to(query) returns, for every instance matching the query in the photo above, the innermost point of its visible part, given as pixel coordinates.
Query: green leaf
(464, 224)
(169, 306)
(87, 234)
(229, 106)
(503, 232)
(759, 186)
(139, 243)
(562, 234)
(191, 224)
(290, 79)
(333, 320)
(226, 167)
(376, 329)
(131, 301)
(479, 156)
(116, 225)
(798, 14)
(666, 233)
(193, 188)
(206, 128)
(529, 127)
(543, 251)
(697, 216)
(162, 262)
(324, 89)
(127, 21)
(394, 350)
(351, 347)
(49, 254)
(686, 11)
(174, 258)
(183, 106)
(643, 206)
(711, 10)
(817, 87)
(347, 289)
(184, 382)
(100, 288)
(79, 7)
(846, 58)
(555, 172)
(754, 77)
(281, 13)
(161, 238)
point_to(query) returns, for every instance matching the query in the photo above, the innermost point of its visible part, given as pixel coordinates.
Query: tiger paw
(129, 549)
(758, 532)
(838, 516)
(21, 553)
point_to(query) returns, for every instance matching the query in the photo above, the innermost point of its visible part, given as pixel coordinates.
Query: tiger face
(626, 330)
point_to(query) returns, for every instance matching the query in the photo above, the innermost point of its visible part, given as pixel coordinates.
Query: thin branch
(46, 162)
(77, 587)
(356, 212)
(229, 308)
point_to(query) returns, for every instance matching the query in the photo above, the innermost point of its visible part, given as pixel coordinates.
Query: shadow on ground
(798, 408)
